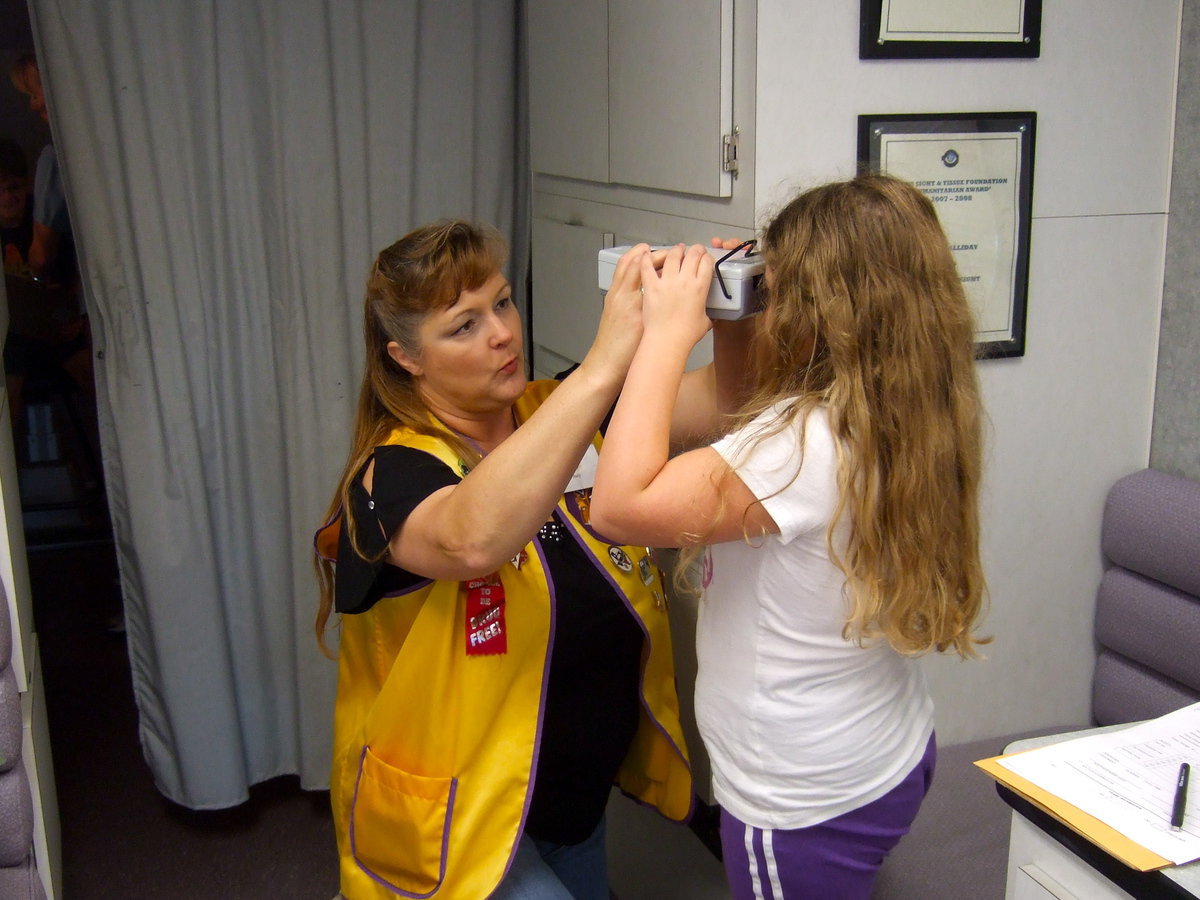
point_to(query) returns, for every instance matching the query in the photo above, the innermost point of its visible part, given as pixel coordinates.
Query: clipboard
(1087, 826)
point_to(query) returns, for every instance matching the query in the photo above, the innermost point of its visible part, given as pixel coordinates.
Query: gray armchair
(1148, 605)
(19, 879)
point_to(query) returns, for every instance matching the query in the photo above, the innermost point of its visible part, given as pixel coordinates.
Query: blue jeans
(546, 871)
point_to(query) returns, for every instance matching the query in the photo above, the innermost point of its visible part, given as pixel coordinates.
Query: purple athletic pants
(834, 860)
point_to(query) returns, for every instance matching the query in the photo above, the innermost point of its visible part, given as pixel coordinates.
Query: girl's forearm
(637, 444)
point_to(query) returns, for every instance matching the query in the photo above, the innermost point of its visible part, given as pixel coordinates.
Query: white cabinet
(1039, 868)
(568, 88)
(566, 299)
(633, 92)
(670, 97)
(638, 112)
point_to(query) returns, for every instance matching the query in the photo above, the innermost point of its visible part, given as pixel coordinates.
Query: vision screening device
(737, 287)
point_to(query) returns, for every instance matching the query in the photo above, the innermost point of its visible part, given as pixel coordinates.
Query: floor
(121, 838)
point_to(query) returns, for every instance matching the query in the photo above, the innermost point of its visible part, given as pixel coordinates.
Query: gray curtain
(232, 167)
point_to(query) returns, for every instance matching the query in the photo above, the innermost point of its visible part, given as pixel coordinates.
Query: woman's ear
(403, 360)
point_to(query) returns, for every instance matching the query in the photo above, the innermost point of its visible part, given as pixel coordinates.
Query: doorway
(74, 594)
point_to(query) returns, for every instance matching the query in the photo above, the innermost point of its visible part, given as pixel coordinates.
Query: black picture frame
(1012, 132)
(873, 45)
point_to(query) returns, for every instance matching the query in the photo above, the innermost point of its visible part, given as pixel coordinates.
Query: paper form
(1126, 779)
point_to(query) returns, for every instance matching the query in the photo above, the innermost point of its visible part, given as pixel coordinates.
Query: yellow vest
(434, 749)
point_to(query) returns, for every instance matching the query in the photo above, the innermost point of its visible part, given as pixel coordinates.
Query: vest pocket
(400, 826)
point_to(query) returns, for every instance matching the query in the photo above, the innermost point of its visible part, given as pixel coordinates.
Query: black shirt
(590, 710)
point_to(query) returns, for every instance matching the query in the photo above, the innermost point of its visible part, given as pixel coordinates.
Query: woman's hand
(620, 327)
(675, 295)
(728, 243)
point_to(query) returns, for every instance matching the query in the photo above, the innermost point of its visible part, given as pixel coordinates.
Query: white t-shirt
(800, 725)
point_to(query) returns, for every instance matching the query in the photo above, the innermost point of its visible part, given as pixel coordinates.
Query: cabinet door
(568, 88)
(670, 94)
(567, 299)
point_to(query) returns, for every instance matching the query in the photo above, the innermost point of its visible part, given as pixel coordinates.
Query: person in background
(500, 664)
(16, 236)
(16, 212)
(50, 335)
(52, 253)
(840, 514)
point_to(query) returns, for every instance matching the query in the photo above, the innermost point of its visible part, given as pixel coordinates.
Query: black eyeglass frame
(751, 244)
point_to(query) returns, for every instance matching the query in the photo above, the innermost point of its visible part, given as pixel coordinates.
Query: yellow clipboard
(1104, 836)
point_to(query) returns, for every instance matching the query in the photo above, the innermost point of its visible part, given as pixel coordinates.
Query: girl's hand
(675, 295)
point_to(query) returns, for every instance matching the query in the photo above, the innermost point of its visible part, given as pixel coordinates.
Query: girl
(841, 513)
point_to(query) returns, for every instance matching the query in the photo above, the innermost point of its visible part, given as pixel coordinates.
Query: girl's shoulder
(784, 435)
(787, 420)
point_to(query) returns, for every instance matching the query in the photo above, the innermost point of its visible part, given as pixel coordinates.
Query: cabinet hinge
(729, 151)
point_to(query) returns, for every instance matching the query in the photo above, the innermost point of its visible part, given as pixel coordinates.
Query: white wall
(1175, 443)
(1073, 414)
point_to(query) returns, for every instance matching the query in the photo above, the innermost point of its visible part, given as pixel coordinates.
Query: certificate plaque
(931, 29)
(977, 168)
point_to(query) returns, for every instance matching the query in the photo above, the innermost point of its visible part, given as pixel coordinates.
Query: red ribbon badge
(486, 633)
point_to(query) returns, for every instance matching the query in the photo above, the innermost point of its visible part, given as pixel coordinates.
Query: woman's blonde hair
(424, 271)
(867, 318)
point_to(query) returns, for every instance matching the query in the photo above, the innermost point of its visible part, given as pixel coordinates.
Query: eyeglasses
(748, 246)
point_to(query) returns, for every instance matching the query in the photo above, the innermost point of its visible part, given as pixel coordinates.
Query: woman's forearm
(473, 527)
(480, 523)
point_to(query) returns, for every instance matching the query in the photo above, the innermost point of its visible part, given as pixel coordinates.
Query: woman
(500, 664)
(841, 510)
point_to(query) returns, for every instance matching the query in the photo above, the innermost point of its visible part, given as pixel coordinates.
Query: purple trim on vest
(379, 879)
(408, 590)
(537, 739)
(571, 524)
(317, 536)
(572, 504)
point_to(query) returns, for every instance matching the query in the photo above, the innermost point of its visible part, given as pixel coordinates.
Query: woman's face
(471, 361)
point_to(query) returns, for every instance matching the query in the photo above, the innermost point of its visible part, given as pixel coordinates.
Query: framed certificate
(977, 168)
(939, 29)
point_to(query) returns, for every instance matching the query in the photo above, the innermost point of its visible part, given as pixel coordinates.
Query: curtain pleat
(232, 167)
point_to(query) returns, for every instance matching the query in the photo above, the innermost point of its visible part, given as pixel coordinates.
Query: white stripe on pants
(769, 859)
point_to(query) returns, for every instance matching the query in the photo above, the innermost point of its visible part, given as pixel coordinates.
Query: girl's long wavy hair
(424, 271)
(867, 318)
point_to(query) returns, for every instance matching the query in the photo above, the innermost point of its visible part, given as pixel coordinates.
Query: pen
(1180, 804)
